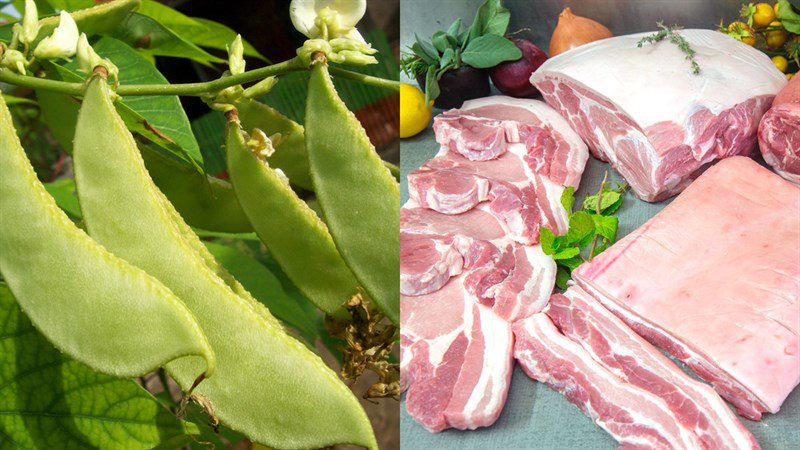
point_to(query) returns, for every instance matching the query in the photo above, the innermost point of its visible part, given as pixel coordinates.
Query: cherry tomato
(764, 15)
(738, 28)
(780, 62)
(789, 76)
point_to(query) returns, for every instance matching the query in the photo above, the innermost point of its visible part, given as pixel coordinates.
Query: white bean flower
(328, 19)
(30, 23)
(62, 43)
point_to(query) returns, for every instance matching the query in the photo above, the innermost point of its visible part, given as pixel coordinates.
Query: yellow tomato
(414, 113)
(764, 15)
(776, 38)
(789, 76)
(742, 32)
(777, 7)
(780, 62)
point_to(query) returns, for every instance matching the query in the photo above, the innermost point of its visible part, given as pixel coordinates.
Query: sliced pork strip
(634, 417)
(779, 133)
(714, 279)
(612, 343)
(486, 128)
(661, 129)
(455, 359)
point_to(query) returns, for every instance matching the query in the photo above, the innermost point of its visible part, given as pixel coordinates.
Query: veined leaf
(152, 38)
(489, 50)
(51, 401)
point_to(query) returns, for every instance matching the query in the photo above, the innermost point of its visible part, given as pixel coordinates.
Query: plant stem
(189, 89)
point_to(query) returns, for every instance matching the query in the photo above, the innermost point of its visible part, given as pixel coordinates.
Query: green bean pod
(359, 197)
(294, 234)
(290, 152)
(268, 385)
(89, 303)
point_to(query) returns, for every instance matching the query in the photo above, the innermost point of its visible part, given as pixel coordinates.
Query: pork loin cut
(645, 112)
(455, 359)
(779, 133)
(619, 349)
(633, 416)
(513, 279)
(714, 279)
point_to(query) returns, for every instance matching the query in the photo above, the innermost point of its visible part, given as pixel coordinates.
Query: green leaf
(51, 401)
(489, 50)
(789, 18)
(431, 85)
(606, 226)
(581, 226)
(448, 58)
(491, 18)
(440, 41)
(63, 191)
(453, 30)
(608, 198)
(567, 253)
(562, 277)
(546, 239)
(152, 38)
(428, 49)
(202, 32)
(568, 198)
(571, 263)
(265, 287)
(419, 51)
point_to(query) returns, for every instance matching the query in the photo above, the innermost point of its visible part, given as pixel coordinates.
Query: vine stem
(190, 89)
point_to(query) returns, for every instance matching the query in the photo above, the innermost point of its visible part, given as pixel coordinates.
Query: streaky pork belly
(618, 348)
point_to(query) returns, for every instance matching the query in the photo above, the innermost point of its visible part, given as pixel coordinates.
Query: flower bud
(327, 19)
(14, 60)
(30, 23)
(236, 61)
(62, 43)
(88, 59)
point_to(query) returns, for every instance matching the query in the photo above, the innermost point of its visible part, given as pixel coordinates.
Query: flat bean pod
(268, 385)
(294, 234)
(359, 197)
(89, 303)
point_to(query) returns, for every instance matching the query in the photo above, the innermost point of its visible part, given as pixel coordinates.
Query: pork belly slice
(779, 133)
(661, 128)
(455, 359)
(514, 280)
(628, 356)
(522, 202)
(714, 279)
(633, 416)
(543, 142)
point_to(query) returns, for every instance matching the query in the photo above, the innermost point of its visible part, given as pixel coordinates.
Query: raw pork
(714, 279)
(633, 416)
(455, 359)
(779, 133)
(645, 112)
(619, 349)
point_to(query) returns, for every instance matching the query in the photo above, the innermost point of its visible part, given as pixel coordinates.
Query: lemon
(780, 62)
(414, 113)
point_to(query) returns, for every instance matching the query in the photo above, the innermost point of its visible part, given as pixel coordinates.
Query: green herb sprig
(592, 228)
(675, 38)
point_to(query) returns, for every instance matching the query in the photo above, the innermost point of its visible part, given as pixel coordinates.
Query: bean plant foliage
(260, 291)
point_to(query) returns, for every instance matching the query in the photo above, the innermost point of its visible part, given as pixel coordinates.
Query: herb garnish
(675, 38)
(592, 228)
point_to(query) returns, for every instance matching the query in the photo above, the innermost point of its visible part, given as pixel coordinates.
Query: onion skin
(573, 31)
(513, 77)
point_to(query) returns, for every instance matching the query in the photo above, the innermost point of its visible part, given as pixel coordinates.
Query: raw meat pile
(714, 279)
(622, 382)
(469, 264)
(657, 123)
(779, 133)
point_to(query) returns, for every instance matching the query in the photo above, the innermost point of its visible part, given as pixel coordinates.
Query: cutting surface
(536, 417)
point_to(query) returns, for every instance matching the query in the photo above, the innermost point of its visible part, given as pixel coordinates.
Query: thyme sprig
(675, 38)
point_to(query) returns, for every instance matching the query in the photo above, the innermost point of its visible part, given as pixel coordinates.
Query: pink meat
(714, 279)
(633, 416)
(663, 127)
(779, 133)
(455, 359)
(613, 344)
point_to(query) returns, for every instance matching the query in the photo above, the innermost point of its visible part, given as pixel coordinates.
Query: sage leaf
(489, 50)
(453, 30)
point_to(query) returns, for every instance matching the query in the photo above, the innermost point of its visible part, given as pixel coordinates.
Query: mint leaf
(567, 253)
(568, 198)
(608, 198)
(581, 226)
(546, 239)
(571, 263)
(562, 277)
(606, 226)
(614, 207)
(489, 50)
